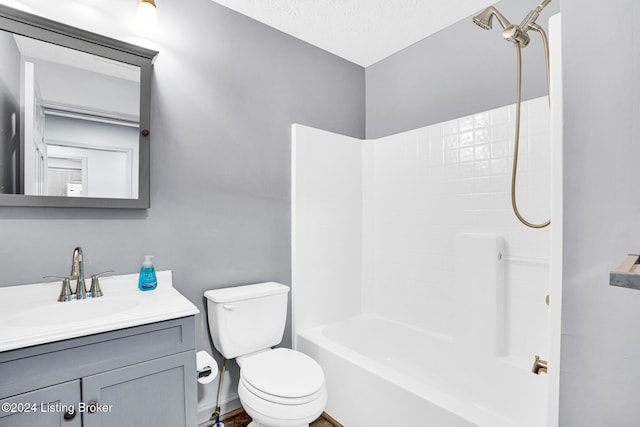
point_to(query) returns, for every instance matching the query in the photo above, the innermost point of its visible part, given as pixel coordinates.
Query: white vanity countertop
(31, 314)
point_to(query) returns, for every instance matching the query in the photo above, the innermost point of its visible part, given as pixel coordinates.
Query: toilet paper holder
(206, 367)
(204, 372)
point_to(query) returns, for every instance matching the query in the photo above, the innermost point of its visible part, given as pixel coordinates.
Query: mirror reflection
(69, 122)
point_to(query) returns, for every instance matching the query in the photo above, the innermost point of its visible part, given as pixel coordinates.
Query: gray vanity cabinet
(42, 407)
(134, 377)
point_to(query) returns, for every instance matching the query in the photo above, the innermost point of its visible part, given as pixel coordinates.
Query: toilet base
(256, 424)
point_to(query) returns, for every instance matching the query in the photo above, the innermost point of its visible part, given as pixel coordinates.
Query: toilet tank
(246, 319)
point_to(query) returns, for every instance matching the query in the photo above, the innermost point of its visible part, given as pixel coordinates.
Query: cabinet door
(159, 393)
(45, 407)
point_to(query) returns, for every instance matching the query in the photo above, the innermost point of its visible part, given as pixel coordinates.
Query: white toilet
(278, 387)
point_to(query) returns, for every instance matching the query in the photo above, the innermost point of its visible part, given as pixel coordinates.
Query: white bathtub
(378, 369)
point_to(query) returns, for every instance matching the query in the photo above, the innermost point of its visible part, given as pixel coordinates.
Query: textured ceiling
(362, 31)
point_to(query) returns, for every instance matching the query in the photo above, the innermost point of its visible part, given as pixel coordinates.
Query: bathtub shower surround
(412, 240)
(435, 182)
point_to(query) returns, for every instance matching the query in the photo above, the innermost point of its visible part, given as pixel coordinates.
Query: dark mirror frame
(26, 24)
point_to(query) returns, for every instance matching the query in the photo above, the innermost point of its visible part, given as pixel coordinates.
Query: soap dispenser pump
(147, 280)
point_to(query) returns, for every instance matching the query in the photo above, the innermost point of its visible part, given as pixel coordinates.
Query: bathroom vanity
(126, 359)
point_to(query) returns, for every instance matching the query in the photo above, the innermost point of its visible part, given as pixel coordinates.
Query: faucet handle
(65, 292)
(102, 274)
(95, 291)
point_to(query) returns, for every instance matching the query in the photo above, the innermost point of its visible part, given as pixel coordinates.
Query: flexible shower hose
(516, 144)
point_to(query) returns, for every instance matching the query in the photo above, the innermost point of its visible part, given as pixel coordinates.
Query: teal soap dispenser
(147, 280)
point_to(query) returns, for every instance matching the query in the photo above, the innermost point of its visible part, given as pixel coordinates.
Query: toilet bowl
(278, 387)
(281, 388)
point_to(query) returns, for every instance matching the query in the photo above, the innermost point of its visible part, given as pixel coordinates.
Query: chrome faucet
(77, 273)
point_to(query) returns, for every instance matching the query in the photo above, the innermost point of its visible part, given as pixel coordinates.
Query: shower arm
(517, 34)
(529, 21)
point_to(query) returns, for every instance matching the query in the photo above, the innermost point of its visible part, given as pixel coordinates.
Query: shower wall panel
(326, 218)
(432, 183)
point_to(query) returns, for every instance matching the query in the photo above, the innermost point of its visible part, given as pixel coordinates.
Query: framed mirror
(74, 116)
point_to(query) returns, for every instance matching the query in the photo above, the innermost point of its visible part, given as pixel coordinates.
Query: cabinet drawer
(39, 366)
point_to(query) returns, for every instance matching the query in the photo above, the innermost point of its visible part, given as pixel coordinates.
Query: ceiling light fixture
(147, 15)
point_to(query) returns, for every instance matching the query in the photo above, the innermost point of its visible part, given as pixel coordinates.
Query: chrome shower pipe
(531, 17)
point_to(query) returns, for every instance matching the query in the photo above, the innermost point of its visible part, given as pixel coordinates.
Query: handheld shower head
(484, 19)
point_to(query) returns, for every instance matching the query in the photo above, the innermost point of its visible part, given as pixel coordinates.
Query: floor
(239, 418)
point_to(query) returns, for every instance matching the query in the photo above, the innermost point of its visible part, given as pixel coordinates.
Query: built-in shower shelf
(627, 275)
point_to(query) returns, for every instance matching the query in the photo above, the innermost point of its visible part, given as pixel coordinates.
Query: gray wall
(600, 346)
(456, 72)
(225, 91)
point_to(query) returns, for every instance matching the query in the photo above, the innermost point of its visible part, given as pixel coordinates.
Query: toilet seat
(283, 376)
(266, 413)
(279, 399)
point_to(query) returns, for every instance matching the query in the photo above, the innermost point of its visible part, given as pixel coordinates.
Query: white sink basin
(73, 311)
(31, 315)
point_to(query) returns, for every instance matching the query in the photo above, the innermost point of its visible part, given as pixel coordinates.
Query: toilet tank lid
(239, 293)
